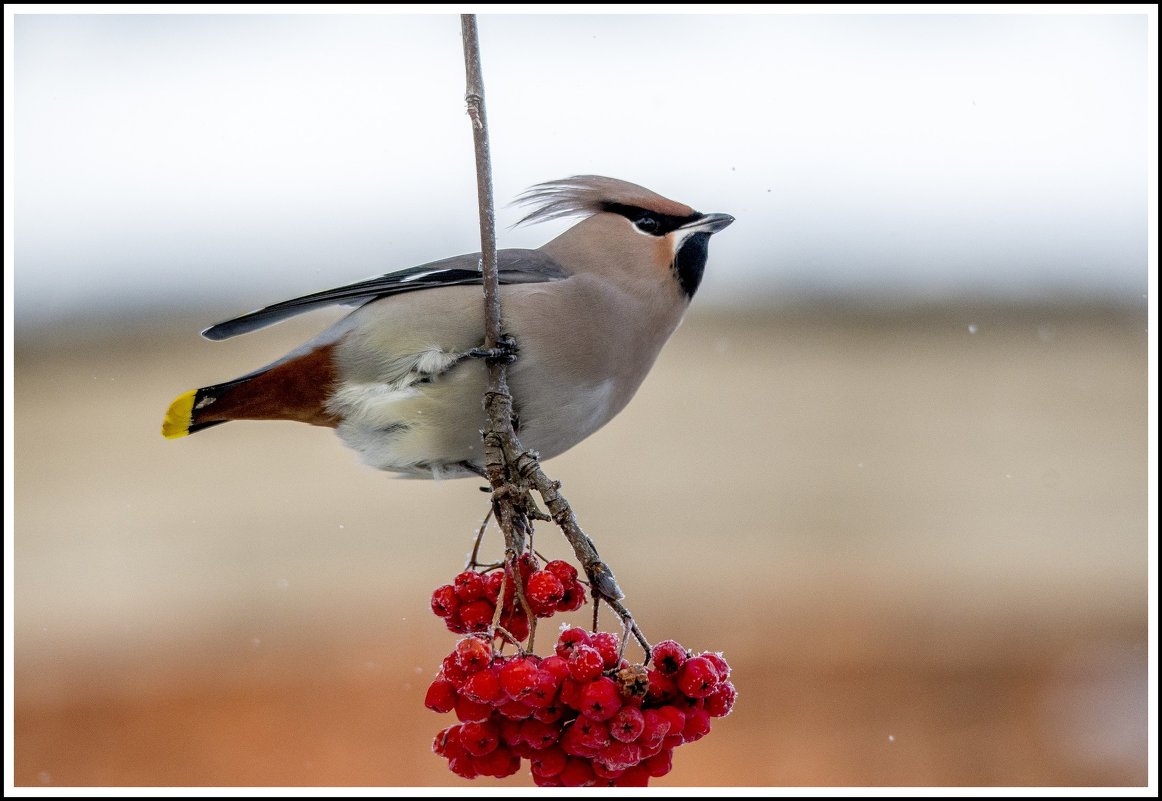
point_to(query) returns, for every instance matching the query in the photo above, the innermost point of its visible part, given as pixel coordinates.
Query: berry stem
(472, 563)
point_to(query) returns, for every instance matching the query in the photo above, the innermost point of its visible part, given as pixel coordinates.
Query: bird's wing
(516, 266)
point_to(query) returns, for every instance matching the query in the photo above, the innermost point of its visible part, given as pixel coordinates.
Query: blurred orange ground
(921, 546)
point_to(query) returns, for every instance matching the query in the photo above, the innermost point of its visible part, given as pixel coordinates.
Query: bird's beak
(708, 223)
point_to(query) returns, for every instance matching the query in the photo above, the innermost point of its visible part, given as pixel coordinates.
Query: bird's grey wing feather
(516, 266)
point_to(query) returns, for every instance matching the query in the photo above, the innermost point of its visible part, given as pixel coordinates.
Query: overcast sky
(223, 162)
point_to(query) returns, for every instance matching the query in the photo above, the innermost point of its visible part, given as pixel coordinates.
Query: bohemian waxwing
(398, 378)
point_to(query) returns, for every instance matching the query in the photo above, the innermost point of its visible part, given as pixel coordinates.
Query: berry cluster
(469, 602)
(582, 717)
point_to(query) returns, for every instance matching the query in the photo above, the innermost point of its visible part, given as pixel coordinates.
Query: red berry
(498, 763)
(655, 727)
(619, 756)
(697, 726)
(570, 638)
(450, 669)
(444, 601)
(551, 713)
(454, 623)
(544, 591)
(662, 689)
(698, 677)
(562, 570)
(605, 776)
(509, 730)
(482, 687)
(720, 665)
(668, 656)
(473, 654)
(659, 764)
(721, 701)
(544, 690)
(627, 724)
(609, 647)
(592, 735)
(469, 585)
(585, 663)
(527, 563)
(675, 716)
(447, 742)
(441, 696)
(573, 599)
(516, 623)
(539, 735)
(468, 710)
(571, 693)
(549, 761)
(515, 710)
(637, 776)
(600, 699)
(492, 584)
(518, 676)
(479, 738)
(576, 773)
(463, 766)
(477, 615)
(556, 666)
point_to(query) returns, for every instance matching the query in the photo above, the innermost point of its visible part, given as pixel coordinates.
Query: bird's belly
(552, 422)
(425, 430)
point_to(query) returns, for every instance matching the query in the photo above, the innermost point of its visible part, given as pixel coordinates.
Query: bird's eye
(647, 224)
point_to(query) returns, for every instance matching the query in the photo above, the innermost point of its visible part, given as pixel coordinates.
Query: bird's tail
(190, 411)
(295, 388)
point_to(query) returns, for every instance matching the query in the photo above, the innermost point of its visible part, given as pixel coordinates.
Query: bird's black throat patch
(690, 261)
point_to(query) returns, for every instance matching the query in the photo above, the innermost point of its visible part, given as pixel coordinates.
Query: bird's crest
(583, 195)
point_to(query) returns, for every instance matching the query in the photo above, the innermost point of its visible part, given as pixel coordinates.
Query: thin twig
(472, 563)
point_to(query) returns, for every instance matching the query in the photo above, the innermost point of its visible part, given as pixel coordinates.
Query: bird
(401, 377)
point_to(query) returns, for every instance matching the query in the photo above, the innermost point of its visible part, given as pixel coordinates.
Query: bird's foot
(505, 352)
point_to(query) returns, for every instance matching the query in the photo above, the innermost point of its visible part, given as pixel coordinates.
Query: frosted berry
(600, 699)
(719, 663)
(479, 738)
(627, 725)
(444, 601)
(585, 663)
(469, 585)
(564, 571)
(473, 654)
(476, 615)
(698, 677)
(517, 677)
(668, 656)
(570, 638)
(441, 696)
(544, 591)
(721, 701)
(483, 687)
(609, 647)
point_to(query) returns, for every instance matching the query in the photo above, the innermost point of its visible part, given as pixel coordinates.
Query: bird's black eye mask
(650, 222)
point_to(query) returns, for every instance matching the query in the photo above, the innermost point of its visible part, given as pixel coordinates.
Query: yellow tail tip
(178, 416)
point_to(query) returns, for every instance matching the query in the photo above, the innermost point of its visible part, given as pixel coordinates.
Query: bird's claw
(505, 352)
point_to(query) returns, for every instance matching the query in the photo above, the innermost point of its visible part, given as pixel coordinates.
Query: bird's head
(625, 226)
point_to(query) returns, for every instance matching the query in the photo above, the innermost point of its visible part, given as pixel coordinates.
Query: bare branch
(511, 470)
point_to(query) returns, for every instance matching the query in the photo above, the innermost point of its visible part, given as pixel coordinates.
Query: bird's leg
(505, 352)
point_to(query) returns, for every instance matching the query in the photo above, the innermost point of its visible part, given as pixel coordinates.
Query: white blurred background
(894, 464)
(171, 160)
